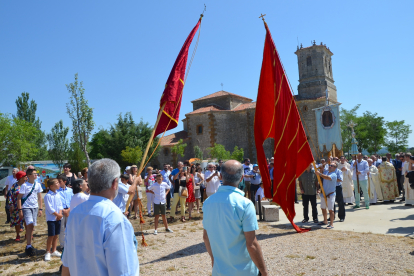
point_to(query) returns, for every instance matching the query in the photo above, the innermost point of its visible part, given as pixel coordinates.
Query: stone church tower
(315, 76)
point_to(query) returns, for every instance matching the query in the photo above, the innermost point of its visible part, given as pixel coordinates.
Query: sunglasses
(332, 166)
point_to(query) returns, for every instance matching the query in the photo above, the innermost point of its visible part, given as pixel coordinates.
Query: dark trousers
(202, 190)
(400, 181)
(170, 194)
(305, 202)
(7, 209)
(253, 190)
(341, 204)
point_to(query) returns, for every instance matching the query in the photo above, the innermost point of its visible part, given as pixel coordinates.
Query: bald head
(232, 172)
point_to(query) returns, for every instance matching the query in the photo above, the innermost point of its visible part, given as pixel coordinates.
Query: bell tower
(315, 72)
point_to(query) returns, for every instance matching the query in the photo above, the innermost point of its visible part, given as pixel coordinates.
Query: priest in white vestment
(374, 188)
(409, 193)
(347, 183)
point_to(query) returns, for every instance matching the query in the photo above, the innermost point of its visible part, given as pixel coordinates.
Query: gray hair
(101, 174)
(232, 173)
(370, 160)
(210, 164)
(15, 169)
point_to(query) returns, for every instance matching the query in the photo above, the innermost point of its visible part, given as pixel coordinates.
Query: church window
(199, 129)
(305, 108)
(309, 61)
(165, 151)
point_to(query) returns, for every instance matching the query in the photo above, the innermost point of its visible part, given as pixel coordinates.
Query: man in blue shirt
(66, 195)
(100, 240)
(329, 187)
(229, 227)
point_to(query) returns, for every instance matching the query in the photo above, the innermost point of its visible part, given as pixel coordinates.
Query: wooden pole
(320, 183)
(259, 205)
(146, 152)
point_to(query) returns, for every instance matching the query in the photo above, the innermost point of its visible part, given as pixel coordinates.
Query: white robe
(409, 193)
(374, 187)
(347, 183)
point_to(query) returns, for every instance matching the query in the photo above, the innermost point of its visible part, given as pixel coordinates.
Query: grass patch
(171, 268)
(308, 257)
(293, 256)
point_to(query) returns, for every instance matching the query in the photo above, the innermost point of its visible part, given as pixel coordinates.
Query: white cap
(128, 168)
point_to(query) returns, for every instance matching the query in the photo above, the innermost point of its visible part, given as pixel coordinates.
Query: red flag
(174, 88)
(277, 117)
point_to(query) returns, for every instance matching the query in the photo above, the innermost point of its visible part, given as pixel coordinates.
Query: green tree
(16, 140)
(124, 133)
(178, 150)
(76, 158)
(238, 154)
(27, 111)
(198, 153)
(81, 115)
(371, 130)
(398, 133)
(346, 116)
(219, 152)
(132, 155)
(58, 144)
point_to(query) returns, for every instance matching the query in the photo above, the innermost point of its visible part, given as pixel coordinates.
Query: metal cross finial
(262, 16)
(203, 10)
(351, 125)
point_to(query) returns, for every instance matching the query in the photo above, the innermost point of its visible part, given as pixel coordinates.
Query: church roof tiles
(206, 109)
(245, 106)
(173, 139)
(220, 94)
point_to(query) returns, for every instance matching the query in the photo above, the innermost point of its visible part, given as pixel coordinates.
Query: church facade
(228, 119)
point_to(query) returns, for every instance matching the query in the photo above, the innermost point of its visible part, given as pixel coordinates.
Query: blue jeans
(363, 185)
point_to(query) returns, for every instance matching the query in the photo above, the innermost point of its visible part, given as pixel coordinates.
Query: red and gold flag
(277, 117)
(174, 88)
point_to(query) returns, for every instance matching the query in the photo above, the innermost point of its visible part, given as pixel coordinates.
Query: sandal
(329, 227)
(134, 217)
(322, 223)
(305, 220)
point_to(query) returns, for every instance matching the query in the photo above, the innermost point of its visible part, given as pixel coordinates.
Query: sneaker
(155, 232)
(356, 207)
(341, 220)
(367, 207)
(47, 257)
(169, 230)
(56, 254)
(17, 238)
(30, 251)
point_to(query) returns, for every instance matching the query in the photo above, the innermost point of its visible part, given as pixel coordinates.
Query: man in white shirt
(212, 178)
(11, 179)
(30, 195)
(247, 168)
(166, 178)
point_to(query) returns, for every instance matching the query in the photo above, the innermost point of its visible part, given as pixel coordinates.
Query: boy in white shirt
(28, 202)
(54, 208)
(160, 190)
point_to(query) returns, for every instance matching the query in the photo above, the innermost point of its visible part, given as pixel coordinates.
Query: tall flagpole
(146, 152)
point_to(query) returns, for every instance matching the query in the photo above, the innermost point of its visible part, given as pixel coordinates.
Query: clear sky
(124, 51)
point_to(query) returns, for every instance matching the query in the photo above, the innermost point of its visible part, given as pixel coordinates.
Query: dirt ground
(318, 252)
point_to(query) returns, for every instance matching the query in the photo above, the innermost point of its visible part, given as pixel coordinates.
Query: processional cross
(262, 16)
(351, 125)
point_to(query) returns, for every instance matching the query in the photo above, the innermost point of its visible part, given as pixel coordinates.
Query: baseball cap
(255, 165)
(20, 174)
(128, 168)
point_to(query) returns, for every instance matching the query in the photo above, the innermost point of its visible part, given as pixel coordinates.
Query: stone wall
(226, 102)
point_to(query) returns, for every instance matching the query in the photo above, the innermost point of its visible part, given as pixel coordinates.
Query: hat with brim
(134, 166)
(20, 174)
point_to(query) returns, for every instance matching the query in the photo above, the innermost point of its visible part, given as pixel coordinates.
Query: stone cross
(351, 125)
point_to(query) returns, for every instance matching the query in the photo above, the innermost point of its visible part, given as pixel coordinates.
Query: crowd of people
(96, 203)
(377, 179)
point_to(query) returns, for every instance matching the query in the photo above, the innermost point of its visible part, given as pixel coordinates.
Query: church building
(228, 119)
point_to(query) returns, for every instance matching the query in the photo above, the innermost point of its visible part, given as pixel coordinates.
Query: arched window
(200, 129)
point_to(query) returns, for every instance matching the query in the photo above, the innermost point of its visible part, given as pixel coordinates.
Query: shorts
(331, 202)
(30, 215)
(139, 194)
(53, 228)
(159, 209)
(246, 186)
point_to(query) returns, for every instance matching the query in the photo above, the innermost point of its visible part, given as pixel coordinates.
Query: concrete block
(263, 204)
(270, 213)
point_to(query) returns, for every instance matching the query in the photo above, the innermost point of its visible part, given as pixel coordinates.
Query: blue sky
(124, 51)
